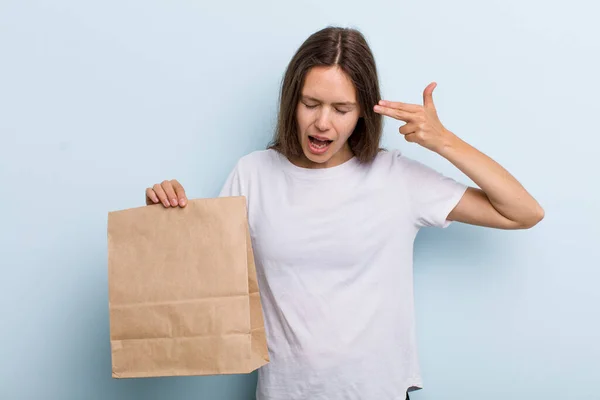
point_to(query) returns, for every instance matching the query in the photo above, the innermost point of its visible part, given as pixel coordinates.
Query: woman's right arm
(168, 193)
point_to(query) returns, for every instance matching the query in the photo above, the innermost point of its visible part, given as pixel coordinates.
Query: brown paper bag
(183, 294)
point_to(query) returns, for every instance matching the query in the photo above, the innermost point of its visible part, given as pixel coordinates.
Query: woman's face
(327, 114)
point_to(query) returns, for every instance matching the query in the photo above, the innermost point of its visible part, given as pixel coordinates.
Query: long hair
(332, 46)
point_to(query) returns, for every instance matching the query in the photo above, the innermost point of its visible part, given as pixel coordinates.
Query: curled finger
(179, 192)
(407, 129)
(162, 196)
(170, 192)
(150, 195)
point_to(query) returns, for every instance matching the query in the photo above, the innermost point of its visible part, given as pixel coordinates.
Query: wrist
(449, 144)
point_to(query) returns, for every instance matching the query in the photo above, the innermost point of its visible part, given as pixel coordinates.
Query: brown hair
(332, 46)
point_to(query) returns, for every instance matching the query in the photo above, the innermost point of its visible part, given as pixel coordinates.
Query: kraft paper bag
(183, 294)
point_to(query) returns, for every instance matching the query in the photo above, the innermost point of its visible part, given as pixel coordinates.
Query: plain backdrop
(101, 99)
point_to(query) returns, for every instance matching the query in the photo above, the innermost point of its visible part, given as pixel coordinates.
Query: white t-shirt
(334, 256)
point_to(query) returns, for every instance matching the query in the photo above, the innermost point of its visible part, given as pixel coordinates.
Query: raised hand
(423, 125)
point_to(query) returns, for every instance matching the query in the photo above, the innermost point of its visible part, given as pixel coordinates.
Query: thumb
(428, 95)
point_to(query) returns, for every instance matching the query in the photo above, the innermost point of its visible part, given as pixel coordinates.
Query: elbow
(533, 219)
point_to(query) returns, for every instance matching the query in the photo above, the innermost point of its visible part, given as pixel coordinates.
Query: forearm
(504, 192)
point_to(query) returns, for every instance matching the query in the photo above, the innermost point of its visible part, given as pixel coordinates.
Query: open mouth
(318, 146)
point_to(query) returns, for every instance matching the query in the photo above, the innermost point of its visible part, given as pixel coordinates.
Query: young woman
(333, 218)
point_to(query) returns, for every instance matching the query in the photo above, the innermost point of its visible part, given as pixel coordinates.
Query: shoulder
(247, 169)
(258, 163)
(258, 157)
(393, 160)
(413, 174)
(258, 160)
(399, 162)
(387, 156)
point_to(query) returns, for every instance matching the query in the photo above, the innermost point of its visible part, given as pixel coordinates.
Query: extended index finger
(400, 106)
(396, 113)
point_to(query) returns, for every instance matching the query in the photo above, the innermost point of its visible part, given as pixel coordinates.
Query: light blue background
(99, 100)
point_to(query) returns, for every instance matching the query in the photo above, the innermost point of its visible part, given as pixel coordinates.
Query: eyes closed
(314, 104)
(311, 106)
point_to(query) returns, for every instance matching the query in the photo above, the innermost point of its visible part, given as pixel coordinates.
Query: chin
(317, 157)
(314, 158)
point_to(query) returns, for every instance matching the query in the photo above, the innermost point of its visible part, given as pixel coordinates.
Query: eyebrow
(339, 103)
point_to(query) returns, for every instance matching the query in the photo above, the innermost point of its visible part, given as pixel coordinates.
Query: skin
(328, 108)
(502, 202)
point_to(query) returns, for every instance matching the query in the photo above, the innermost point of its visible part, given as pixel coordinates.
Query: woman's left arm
(502, 202)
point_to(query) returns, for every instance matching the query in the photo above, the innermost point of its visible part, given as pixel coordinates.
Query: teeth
(319, 145)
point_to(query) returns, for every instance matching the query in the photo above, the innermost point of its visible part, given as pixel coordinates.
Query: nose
(322, 123)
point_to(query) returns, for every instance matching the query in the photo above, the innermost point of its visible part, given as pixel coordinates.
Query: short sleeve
(233, 184)
(432, 195)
